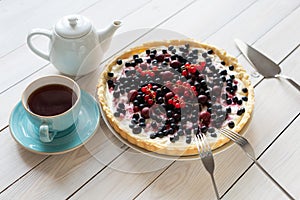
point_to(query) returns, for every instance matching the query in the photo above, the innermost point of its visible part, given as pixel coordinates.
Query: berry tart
(160, 94)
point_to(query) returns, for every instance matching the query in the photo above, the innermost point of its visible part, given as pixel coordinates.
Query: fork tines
(230, 134)
(202, 144)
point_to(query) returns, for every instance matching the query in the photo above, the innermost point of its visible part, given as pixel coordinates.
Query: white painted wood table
(106, 169)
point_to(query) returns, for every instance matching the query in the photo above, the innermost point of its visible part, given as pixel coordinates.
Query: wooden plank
(281, 39)
(203, 18)
(281, 162)
(196, 176)
(254, 185)
(47, 182)
(245, 27)
(28, 63)
(61, 173)
(20, 17)
(262, 131)
(11, 98)
(253, 23)
(15, 160)
(12, 35)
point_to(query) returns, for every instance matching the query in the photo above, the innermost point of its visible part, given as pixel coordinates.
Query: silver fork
(247, 148)
(207, 158)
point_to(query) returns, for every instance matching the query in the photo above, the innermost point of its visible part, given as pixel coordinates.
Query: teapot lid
(73, 26)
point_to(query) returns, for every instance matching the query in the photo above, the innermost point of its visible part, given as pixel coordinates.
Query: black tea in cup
(50, 100)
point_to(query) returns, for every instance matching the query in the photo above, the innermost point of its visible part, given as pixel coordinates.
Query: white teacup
(52, 104)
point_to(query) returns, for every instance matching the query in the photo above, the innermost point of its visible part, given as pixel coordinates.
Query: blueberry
(136, 116)
(170, 48)
(231, 124)
(153, 135)
(117, 114)
(110, 82)
(228, 101)
(204, 55)
(188, 139)
(131, 126)
(165, 132)
(110, 74)
(154, 51)
(223, 78)
(240, 111)
(152, 55)
(239, 102)
(142, 124)
(121, 105)
(210, 51)
(153, 124)
(160, 134)
(173, 57)
(223, 63)
(235, 99)
(170, 131)
(180, 132)
(116, 94)
(148, 51)
(228, 109)
(134, 121)
(213, 135)
(169, 113)
(127, 64)
(172, 139)
(245, 98)
(204, 129)
(182, 49)
(119, 62)
(136, 102)
(136, 130)
(223, 72)
(245, 90)
(228, 88)
(234, 87)
(231, 67)
(211, 130)
(195, 51)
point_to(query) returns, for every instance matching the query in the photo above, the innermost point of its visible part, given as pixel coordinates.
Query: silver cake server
(263, 64)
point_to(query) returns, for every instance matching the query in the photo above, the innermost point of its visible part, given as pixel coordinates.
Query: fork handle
(290, 80)
(215, 186)
(274, 181)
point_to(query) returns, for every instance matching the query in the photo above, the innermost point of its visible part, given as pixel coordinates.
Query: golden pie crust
(155, 145)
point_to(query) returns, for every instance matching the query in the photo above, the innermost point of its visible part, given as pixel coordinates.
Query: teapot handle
(33, 32)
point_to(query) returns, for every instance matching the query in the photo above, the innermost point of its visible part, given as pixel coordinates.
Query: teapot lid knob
(73, 26)
(73, 20)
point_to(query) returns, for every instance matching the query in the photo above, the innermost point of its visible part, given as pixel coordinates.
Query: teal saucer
(25, 133)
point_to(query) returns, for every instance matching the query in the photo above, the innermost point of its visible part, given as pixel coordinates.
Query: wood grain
(104, 168)
(262, 131)
(281, 163)
(27, 62)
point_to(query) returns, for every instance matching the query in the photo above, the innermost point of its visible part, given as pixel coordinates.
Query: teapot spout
(105, 35)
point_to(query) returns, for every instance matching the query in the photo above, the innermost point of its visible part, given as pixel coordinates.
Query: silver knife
(263, 64)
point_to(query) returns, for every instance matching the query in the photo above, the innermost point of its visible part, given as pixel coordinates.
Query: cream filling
(125, 121)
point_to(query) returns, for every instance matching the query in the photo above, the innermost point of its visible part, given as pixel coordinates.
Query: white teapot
(76, 47)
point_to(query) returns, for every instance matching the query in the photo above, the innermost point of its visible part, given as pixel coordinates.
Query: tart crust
(154, 145)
